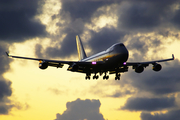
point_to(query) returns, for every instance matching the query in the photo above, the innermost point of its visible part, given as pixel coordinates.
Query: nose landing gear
(88, 75)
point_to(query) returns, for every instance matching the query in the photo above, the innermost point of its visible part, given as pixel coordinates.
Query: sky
(150, 29)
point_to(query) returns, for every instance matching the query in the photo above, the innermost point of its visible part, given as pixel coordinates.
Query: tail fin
(80, 48)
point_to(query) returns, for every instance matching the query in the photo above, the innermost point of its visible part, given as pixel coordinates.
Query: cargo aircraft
(111, 61)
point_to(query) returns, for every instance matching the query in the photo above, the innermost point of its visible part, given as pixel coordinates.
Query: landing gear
(105, 77)
(88, 75)
(95, 76)
(117, 76)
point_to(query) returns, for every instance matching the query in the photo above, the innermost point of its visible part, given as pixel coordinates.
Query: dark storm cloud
(81, 110)
(4, 60)
(176, 19)
(139, 15)
(82, 9)
(4, 109)
(5, 85)
(68, 47)
(17, 20)
(148, 104)
(146, 14)
(80, 12)
(164, 82)
(5, 89)
(140, 46)
(170, 115)
(105, 38)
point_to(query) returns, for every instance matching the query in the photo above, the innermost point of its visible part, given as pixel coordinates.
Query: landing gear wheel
(97, 77)
(87, 77)
(117, 76)
(105, 77)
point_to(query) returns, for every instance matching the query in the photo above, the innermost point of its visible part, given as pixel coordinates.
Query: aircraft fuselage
(117, 54)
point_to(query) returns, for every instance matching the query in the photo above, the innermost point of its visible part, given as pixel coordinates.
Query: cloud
(170, 115)
(147, 15)
(82, 9)
(5, 91)
(149, 104)
(106, 35)
(81, 110)
(4, 109)
(118, 94)
(17, 20)
(5, 85)
(151, 16)
(175, 20)
(55, 91)
(139, 15)
(165, 82)
(75, 16)
(68, 47)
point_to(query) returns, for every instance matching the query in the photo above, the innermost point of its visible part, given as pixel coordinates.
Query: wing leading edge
(149, 62)
(139, 66)
(57, 63)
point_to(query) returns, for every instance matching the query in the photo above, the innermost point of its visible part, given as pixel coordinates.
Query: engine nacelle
(43, 65)
(157, 67)
(139, 69)
(75, 67)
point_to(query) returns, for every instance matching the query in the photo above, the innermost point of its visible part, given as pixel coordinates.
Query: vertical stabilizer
(80, 48)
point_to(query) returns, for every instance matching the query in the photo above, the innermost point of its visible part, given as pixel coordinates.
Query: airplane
(112, 61)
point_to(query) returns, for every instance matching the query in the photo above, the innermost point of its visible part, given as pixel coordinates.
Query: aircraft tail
(80, 48)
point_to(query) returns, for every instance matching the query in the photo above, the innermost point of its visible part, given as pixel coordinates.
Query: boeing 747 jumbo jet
(111, 61)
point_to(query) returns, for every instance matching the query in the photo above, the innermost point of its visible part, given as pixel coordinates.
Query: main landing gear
(105, 77)
(88, 75)
(117, 76)
(95, 76)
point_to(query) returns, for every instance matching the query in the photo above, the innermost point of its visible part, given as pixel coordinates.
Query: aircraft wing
(39, 59)
(57, 63)
(145, 64)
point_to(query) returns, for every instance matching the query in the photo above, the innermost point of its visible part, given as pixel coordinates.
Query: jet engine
(43, 65)
(75, 67)
(157, 67)
(139, 69)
